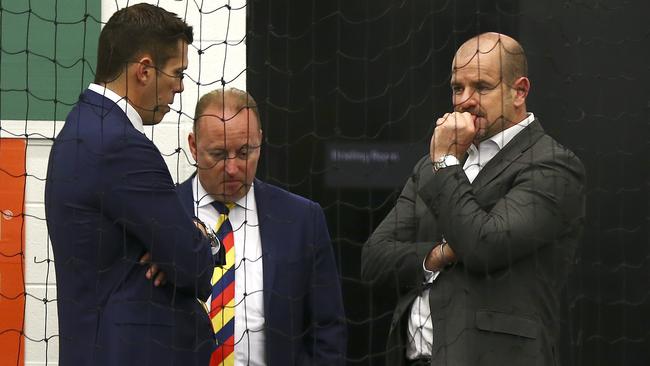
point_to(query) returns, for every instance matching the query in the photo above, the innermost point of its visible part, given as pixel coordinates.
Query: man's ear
(191, 140)
(144, 69)
(521, 87)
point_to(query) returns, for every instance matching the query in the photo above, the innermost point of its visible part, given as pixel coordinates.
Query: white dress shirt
(420, 326)
(249, 309)
(121, 102)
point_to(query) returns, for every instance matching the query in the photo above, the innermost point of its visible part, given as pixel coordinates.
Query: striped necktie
(222, 305)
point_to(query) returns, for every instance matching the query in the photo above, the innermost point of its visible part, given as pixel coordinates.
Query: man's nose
(231, 166)
(180, 87)
(466, 101)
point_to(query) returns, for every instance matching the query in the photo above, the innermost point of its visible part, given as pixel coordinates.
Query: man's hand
(153, 272)
(440, 256)
(453, 135)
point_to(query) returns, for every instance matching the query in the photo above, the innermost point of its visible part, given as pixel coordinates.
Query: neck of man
(125, 89)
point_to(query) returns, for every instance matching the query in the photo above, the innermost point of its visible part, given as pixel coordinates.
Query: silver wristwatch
(215, 243)
(445, 161)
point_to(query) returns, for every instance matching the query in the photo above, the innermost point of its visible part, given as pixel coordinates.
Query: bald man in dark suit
(479, 243)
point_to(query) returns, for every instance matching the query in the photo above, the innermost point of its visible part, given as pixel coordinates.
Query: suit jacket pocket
(492, 321)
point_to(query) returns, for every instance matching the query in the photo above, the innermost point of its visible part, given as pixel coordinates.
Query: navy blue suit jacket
(303, 308)
(109, 198)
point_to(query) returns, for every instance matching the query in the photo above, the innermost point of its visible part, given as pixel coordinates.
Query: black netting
(348, 93)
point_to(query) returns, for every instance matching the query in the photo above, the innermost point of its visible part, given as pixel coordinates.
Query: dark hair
(138, 29)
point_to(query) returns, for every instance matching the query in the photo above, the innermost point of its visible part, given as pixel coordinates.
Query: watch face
(445, 161)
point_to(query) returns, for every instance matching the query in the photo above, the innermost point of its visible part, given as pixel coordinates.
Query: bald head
(488, 80)
(220, 100)
(512, 56)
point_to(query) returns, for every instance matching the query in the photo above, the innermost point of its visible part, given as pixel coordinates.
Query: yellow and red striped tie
(222, 305)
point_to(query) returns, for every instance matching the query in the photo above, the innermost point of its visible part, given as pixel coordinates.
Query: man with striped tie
(277, 298)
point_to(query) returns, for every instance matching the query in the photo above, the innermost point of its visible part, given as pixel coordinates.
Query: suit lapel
(520, 143)
(186, 195)
(270, 236)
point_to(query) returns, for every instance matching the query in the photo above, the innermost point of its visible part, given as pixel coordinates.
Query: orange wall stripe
(12, 234)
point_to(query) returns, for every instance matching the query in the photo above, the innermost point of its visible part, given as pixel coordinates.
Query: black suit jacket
(109, 198)
(514, 231)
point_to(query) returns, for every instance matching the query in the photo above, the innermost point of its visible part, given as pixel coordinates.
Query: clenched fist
(453, 135)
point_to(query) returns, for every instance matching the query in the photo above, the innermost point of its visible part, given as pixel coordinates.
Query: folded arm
(137, 192)
(392, 257)
(544, 203)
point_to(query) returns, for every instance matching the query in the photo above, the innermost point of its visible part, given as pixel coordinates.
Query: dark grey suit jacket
(514, 231)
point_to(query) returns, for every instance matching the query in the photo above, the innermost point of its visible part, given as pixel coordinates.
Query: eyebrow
(222, 148)
(476, 82)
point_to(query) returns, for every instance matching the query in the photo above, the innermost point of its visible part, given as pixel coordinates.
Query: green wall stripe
(48, 52)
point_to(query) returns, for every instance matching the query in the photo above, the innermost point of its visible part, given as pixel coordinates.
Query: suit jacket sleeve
(393, 256)
(543, 203)
(138, 193)
(327, 332)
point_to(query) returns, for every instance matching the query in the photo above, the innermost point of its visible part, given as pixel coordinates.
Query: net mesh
(348, 93)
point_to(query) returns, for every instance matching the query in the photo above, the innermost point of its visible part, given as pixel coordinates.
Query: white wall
(210, 30)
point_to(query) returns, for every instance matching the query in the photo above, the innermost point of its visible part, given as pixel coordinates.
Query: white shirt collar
(121, 102)
(502, 138)
(204, 199)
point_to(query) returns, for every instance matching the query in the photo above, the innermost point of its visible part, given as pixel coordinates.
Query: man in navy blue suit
(287, 299)
(111, 203)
